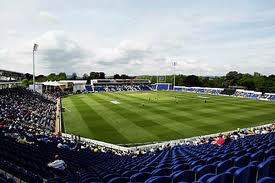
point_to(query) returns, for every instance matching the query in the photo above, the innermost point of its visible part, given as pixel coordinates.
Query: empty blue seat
(205, 177)
(266, 180)
(129, 173)
(267, 168)
(187, 176)
(223, 177)
(140, 177)
(119, 180)
(212, 160)
(224, 166)
(257, 156)
(246, 174)
(109, 177)
(162, 172)
(180, 167)
(204, 170)
(166, 165)
(242, 161)
(270, 152)
(197, 162)
(147, 169)
(159, 179)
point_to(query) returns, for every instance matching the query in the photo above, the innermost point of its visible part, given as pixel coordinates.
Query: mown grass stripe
(121, 123)
(190, 117)
(99, 127)
(176, 127)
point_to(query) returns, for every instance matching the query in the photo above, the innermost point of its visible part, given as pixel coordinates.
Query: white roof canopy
(52, 83)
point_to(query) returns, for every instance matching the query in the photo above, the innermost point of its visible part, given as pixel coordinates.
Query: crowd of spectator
(24, 111)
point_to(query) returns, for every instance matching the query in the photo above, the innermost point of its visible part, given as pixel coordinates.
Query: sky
(138, 37)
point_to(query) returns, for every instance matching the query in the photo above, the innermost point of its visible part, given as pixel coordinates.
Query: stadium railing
(151, 145)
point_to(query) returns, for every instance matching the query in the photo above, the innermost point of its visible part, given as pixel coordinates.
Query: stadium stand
(214, 91)
(88, 88)
(269, 96)
(28, 146)
(112, 88)
(247, 94)
(228, 91)
(163, 86)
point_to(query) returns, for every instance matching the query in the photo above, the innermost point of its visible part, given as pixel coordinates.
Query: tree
(101, 75)
(28, 76)
(232, 78)
(26, 82)
(52, 77)
(192, 80)
(116, 76)
(247, 81)
(94, 75)
(97, 75)
(73, 76)
(124, 76)
(88, 80)
(62, 76)
(85, 76)
(41, 78)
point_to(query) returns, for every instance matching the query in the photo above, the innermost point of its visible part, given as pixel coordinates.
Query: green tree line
(256, 82)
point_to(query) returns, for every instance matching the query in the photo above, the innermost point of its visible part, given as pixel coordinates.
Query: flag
(35, 46)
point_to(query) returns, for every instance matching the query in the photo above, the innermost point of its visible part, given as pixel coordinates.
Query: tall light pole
(35, 46)
(174, 65)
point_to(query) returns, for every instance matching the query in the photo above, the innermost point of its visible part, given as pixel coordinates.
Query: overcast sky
(138, 36)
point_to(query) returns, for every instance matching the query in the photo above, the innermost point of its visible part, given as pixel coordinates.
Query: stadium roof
(12, 74)
(52, 83)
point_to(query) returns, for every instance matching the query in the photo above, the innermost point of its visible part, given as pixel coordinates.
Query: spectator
(220, 140)
(58, 164)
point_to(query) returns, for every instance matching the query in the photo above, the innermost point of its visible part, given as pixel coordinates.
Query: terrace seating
(247, 159)
(181, 163)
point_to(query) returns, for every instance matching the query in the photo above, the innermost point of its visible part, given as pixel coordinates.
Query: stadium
(92, 112)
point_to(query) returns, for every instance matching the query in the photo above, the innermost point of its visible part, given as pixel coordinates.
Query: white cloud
(138, 37)
(58, 52)
(49, 17)
(12, 32)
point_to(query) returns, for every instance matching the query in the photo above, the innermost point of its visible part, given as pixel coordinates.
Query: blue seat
(162, 172)
(270, 152)
(140, 177)
(180, 167)
(267, 168)
(89, 179)
(159, 179)
(166, 165)
(109, 177)
(256, 163)
(224, 166)
(147, 169)
(198, 162)
(205, 177)
(258, 156)
(3, 180)
(242, 161)
(187, 176)
(119, 180)
(204, 170)
(223, 177)
(129, 173)
(212, 160)
(246, 174)
(266, 180)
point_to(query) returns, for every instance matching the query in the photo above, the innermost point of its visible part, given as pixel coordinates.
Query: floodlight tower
(35, 47)
(174, 63)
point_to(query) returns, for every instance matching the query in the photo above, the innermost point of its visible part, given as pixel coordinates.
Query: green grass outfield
(167, 115)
